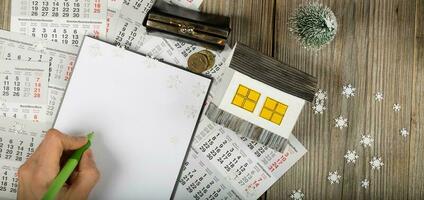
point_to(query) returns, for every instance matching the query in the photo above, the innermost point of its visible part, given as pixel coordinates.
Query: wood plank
(5, 14)
(251, 21)
(372, 50)
(416, 167)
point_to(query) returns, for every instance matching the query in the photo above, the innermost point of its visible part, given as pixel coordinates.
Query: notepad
(143, 112)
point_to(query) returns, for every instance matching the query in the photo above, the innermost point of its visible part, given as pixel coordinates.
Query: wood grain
(379, 47)
(373, 50)
(5, 14)
(416, 159)
(251, 21)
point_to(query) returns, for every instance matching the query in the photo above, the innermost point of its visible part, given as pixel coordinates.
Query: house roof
(272, 72)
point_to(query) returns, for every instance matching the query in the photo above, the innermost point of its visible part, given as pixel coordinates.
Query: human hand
(39, 171)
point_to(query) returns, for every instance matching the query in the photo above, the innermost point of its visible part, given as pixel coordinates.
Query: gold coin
(198, 62)
(210, 56)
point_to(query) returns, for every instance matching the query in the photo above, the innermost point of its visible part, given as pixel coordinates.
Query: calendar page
(24, 89)
(190, 4)
(18, 140)
(221, 165)
(63, 21)
(126, 26)
(57, 60)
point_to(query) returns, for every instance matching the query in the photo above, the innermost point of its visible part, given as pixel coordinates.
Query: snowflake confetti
(351, 156)
(334, 177)
(376, 163)
(348, 91)
(297, 194)
(365, 183)
(341, 122)
(319, 108)
(404, 132)
(366, 140)
(396, 107)
(321, 95)
(379, 96)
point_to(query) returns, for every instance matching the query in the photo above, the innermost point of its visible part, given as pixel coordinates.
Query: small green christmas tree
(314, 25)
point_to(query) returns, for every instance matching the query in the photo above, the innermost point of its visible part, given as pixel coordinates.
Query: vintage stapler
(208, 30)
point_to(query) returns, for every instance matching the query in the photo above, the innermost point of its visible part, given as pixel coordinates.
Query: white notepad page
(143, 113)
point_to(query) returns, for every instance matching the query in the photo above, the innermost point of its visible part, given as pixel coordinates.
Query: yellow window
(273, 111)
(246, 98)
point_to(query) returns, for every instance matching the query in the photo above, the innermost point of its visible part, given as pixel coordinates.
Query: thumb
(86, 179)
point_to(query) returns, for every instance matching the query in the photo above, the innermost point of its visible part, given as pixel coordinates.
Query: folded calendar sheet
(60, 21)
(154, 115)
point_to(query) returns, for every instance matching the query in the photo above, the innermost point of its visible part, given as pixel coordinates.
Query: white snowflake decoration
(321, 95)
(379, 96)
(319, 108)
(376, 163)
(366, 140)
(396, 107)
(341, 122)
(351, 156)
(334, 177)
(348, 91)
(365, 183)
(297, 194)
(404, 132)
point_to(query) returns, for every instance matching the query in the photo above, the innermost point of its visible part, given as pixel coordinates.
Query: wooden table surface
(379, 47)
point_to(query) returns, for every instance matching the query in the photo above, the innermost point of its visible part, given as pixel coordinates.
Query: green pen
(67, 170)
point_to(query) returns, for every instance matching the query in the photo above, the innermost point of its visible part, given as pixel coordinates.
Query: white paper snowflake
(341, 122)
(351, 156)
(376, 163)
(334, 177)
(348, 91)
(396, 107)
(404, 132)
(365, 183)
(379, 96)
(297, 194)
(366, 140)
(321, 95)
(319, 108)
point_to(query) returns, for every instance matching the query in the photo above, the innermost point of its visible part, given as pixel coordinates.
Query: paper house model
(263, 91)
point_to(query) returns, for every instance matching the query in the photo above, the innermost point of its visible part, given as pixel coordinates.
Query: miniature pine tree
(314, 25)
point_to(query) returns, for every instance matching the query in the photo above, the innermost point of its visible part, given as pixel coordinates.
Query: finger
(67, 142)
(55, 143)
(87, 176)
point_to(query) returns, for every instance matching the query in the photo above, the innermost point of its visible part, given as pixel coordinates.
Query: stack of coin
(201, 61)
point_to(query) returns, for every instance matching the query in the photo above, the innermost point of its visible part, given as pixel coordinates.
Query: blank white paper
(143, 113)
